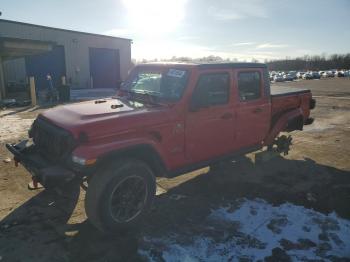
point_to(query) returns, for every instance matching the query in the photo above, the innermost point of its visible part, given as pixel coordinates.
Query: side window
(212, 89)
(249, 85)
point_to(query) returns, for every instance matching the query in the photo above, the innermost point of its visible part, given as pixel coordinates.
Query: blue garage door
(104, 67)
(52, 63)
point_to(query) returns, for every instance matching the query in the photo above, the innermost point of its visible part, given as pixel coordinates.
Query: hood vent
(117, 106)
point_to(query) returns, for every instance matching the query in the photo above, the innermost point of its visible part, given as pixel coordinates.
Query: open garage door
(52, 63)
(104, 67)
(17, 48)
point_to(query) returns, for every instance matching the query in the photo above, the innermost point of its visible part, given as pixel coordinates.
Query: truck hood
(90, 110)
(106, 116)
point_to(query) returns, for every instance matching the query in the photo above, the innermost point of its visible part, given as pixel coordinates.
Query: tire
(219, 165)
(115, 185)
(215, 166)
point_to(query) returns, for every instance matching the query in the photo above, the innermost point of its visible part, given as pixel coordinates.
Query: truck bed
(279, 90)
(285, 98)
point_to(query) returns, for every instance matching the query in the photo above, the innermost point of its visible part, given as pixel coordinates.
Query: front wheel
(120, 195)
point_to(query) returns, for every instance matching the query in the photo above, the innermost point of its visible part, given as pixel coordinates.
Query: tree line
(305, 63)
(314, 63)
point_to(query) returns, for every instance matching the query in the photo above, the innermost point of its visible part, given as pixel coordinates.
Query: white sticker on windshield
(176, 73)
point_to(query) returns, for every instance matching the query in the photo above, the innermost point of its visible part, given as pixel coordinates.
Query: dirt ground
(313, 180)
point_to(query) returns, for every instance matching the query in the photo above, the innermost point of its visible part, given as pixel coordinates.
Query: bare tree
(315, 62)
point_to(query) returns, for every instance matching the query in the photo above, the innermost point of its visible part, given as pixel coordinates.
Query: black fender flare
(144, 152)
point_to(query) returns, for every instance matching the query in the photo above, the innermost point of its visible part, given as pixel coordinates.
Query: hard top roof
(208, 65)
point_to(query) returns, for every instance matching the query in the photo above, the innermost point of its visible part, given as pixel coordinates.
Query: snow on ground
(250, 229)
(13, 127)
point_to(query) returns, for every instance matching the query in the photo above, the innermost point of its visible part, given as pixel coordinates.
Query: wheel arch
(143, 152)
(295, 123)
(288, 121)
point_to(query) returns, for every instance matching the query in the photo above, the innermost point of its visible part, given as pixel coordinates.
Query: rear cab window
(249, 85)
(212, 89)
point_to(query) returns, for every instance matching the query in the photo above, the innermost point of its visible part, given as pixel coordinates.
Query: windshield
(167, 85)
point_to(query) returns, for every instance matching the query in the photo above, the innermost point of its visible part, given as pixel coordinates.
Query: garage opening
(104, 68)
(41, 65)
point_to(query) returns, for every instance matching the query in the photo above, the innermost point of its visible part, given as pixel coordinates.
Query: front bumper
(47, 173)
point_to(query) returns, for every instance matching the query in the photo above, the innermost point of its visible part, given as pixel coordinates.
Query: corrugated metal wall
(14, 70)
(76, 47)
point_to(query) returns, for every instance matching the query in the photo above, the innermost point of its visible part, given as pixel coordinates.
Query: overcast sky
(261, 29)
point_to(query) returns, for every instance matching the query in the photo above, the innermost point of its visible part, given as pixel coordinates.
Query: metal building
(86, 60)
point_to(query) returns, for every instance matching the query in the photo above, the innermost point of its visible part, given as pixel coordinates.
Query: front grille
(53, 142)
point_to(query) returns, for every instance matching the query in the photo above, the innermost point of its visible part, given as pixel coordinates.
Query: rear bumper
(309, 121)
(312, 103)
(48, 174)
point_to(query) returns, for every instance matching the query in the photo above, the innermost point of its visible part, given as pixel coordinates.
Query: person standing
(51, 97)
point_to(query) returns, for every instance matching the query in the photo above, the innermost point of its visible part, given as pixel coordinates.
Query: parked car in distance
(300, 75)
(308, 76)
(293, 74)
(288, 77)
(315, 75)
(278, 78)
(339, 73)
(328, 74)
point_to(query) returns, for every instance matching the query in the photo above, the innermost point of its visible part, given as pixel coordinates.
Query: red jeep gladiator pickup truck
(167, 119)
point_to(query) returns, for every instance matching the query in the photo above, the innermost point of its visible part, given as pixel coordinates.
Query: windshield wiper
(151, 96)
(135, 95)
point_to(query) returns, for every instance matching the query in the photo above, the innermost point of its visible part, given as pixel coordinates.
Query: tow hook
(309, 121)
(34, 185)
(16, 161)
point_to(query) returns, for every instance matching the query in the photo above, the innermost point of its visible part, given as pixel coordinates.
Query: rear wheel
(119, 196)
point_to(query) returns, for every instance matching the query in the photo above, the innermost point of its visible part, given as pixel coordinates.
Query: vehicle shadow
(301, 182)
(38, 229)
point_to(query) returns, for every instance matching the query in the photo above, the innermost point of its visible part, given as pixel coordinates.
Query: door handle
(257, 110)
(226, 116)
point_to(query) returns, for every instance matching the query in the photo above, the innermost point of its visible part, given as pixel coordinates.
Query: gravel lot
(293, 208)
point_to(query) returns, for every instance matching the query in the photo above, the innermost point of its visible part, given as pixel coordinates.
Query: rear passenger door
(253, 107)
(209, 120)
